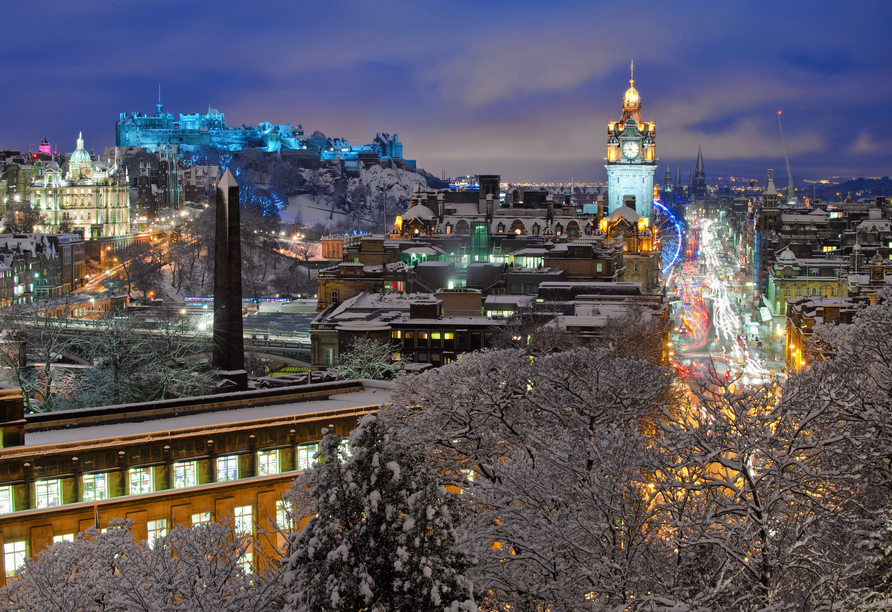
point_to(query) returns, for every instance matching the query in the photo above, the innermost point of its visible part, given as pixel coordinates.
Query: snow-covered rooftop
(372, 395)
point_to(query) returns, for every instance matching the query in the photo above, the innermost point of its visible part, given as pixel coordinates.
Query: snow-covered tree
(758, 505)
(382, 537)
(569, 525)
(490, 403)
(32, 339)
(189, 569)
(365, 358)
(857, 381)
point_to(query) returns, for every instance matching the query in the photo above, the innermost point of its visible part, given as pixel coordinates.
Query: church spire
(700, 159)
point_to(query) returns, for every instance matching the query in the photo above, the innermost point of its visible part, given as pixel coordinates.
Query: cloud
(864, 145)
(543, 55)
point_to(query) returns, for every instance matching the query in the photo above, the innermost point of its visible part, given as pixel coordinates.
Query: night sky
(523, 89)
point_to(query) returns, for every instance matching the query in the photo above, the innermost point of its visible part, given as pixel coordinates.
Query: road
(709, 336)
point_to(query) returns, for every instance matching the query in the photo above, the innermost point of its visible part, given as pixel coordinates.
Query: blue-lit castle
(191, 131)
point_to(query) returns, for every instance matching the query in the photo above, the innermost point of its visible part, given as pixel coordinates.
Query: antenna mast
(791, 192)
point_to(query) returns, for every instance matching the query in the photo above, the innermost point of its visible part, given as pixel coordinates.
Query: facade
(423, 328)
(187, 461)
(802, 315)
(199, 182)
(92, 196)
(631, 157)
(790, 278)
(43, 266)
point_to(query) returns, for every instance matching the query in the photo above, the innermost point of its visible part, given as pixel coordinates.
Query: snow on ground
(304, 209)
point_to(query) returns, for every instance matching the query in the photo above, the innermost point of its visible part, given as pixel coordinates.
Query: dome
(631, 99)
(786, 256)
(420, 212)
(645, 233)
(624, 212)
(80, 156)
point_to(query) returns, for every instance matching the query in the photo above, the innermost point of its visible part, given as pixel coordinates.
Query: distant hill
(859, 188)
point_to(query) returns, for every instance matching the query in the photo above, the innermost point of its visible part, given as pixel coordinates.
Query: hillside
(859, 188)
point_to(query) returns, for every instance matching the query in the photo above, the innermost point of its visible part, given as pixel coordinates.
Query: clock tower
(631, 156)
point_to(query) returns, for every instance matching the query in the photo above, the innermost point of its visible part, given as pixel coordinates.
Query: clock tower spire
(631, 155)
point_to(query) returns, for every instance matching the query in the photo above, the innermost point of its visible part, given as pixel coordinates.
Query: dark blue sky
(519, 88)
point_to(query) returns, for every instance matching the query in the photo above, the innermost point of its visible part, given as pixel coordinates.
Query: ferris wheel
(670, 229)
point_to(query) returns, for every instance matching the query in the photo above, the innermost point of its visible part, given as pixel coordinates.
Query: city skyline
(517, 89)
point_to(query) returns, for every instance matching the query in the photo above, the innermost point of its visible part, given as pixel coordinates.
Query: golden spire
(631, 100)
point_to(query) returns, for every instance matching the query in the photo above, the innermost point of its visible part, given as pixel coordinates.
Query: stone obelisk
(229, 343)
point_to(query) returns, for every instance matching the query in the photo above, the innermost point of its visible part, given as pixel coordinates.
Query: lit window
(267, 463)
(435, 335)
(6, 505)
(599, 267)
(201, 518)
(244, 520)
(227, 468)
(185, 474)
(305, 455)
(14, 554)
(49, 493)
(65, 537)
(246, 562)
(448, 336)
(140, 481)
(344, 449)
(157, 529)
(284, 515)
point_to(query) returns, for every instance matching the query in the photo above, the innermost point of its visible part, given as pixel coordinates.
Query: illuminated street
(709, 335)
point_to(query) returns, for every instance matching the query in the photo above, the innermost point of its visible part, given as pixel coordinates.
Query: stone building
(44, 266)
(791, 278)
(186, 461)
(423, 328)
(802, 315)
(92, 196)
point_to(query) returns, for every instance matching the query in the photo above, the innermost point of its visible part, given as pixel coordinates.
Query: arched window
(573, 229)
(518, 227)
(500, 228)
(588, 229)
(448, 228)
(462, 227)
(535, 229)
(558, 229)
(334, 297)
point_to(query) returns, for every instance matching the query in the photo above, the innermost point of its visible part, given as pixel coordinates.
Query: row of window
(804, 291)
(140, 480)
(15, 553)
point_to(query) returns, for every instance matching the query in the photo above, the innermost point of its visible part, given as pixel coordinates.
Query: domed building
(93, 195)
(641, 253)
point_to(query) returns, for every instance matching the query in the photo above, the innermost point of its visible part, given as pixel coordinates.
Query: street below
(713, 336)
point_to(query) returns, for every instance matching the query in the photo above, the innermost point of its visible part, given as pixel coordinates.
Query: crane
(791, 192)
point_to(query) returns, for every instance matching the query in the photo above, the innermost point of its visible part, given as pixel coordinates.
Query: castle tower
(631, 156)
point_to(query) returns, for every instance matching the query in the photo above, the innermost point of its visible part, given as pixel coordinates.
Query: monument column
(229, 342)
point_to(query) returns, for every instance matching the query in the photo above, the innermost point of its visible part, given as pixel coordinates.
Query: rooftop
(136, 425)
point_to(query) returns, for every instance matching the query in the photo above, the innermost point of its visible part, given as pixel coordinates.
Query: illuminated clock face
(630, 150)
